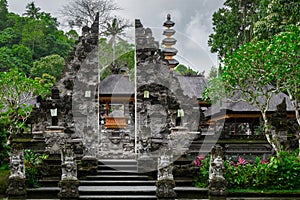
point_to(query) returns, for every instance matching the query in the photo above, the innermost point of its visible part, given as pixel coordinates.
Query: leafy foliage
(17, 92)
(277, 16)
(52, 65)
(201, 180)
(28, 38)
(280, 172)
(33, 162)
(124, 55)
(233, 26)
(183, 70)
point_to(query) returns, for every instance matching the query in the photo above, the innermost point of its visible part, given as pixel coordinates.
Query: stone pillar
(217, 183)
(16, 181)
(165, 181)
(69, 183)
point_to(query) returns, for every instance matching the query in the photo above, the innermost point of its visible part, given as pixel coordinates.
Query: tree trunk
(273, 141)
(296, 106)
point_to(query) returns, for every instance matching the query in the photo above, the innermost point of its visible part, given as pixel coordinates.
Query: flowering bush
(279, 172)
(201, 180)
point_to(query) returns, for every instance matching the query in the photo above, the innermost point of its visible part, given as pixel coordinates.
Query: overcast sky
(192, 23)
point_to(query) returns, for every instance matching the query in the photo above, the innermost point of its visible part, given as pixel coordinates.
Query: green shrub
(201, 180)
(33, 162)
(280, 172)
(3, 180)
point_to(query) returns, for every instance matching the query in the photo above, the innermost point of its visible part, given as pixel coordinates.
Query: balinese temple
(240, 118)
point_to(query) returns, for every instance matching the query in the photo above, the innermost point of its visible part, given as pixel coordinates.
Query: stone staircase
(117, 179)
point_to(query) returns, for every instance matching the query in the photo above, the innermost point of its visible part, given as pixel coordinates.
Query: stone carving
(165, 181)
(279, 122)
(69, 183)
(17, 165)
(16, 181)
(144, 145)
(69, 167)
(159, 95)
(217, 182)
(68, 189)
(54, 141)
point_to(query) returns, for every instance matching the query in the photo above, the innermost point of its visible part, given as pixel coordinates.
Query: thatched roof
(192, 85)
(116, 84)
(245, 107)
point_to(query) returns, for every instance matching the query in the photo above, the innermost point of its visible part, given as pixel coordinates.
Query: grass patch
(3, 181)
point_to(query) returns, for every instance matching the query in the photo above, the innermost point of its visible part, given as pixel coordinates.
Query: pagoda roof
(118, 84)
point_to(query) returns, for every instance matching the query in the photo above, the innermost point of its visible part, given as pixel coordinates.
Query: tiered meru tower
(168, 51)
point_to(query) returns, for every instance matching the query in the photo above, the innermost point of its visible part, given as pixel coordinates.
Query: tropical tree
(285, 51)
(186, 71)
(213, 73)
(32, 11)
(3, 14)
(124, 56)
(115, 30)
(83, 12)
(233, 25)
(16, 95)
(18, 56)
(249, 76)
(52, 65)
(276, 17)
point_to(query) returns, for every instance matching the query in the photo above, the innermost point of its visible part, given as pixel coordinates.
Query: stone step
(191, 192)
(118, 162)
(117, 183)
(117, 197)
(117, 190)
(116, 172)
(118, 167)
(43, 193)
(49, 183)
(117, 177)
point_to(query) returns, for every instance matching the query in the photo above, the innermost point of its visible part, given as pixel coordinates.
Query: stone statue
(16, 181)
(165, 181)
(16, 166)
(217, 183)
(69, 167)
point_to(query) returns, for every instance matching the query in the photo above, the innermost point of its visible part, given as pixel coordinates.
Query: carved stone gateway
(217, 183)
(16, 180)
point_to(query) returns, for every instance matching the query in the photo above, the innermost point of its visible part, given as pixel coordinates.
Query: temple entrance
(116, 118)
